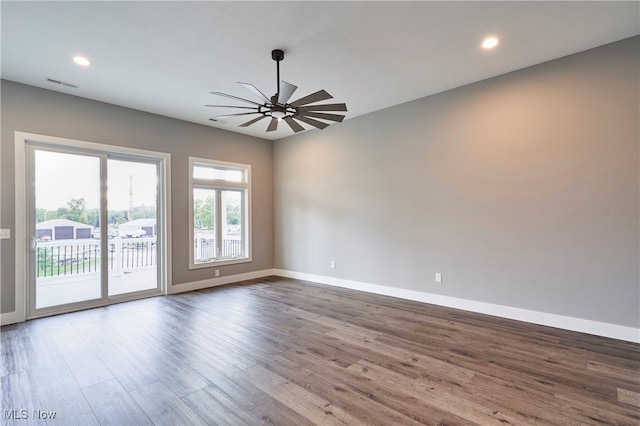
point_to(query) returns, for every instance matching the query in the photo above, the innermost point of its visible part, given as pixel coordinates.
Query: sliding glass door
(95, 223)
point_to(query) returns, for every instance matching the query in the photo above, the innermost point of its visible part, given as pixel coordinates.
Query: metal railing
(134, 253)
(65, 258)
(74, 257)
(205, 249)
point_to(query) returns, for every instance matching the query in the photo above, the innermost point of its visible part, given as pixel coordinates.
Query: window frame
(221, 185)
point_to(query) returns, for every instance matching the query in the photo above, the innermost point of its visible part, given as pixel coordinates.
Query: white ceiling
(165, 57)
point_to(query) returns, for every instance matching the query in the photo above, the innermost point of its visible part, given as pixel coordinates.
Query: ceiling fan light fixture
(279, 114)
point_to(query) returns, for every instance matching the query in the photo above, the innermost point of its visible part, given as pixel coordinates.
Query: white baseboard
(597, 328)
(213, 282)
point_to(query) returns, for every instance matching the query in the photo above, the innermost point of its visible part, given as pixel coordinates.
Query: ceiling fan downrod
(277, 55)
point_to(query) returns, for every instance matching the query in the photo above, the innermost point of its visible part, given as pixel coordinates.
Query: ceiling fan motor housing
(277, 54)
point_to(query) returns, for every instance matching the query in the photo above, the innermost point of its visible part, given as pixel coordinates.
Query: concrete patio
(54, 291)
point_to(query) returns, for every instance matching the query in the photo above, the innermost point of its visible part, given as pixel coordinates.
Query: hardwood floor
(279, 351)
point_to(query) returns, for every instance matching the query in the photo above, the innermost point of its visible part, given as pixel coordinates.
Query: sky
(61, 177)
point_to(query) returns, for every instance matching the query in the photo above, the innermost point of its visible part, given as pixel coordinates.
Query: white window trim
(220, 184)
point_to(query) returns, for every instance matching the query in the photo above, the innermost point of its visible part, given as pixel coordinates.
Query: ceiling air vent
(60, 82)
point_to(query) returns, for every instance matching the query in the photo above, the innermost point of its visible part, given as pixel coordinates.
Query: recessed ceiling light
(82, 61)
(490, 42)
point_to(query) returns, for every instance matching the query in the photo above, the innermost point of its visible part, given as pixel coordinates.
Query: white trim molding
(19, 313)
(219, 185)
(597, 328)
(218, 281)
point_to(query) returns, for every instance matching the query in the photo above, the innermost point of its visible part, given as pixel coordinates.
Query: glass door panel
(66, 261)
(132, 203)
(204, 220)
(232, 221)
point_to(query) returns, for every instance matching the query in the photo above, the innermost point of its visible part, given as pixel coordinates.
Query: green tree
(93, 217)
(77, 210)
(41, 215)
(62, 213)
(204, 213)
(143, 212)
(233, 213)
(52, 214)
(117, 217)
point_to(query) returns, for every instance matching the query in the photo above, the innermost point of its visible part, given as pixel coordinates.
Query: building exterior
(138, 228)
(62, 229)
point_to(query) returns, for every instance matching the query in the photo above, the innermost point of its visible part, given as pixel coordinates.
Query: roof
(140, 222)
(48, 224)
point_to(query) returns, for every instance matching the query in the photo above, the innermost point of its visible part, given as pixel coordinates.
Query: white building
(136, 227)
(62, 229)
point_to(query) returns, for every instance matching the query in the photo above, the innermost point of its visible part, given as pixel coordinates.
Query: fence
(205, 249)
(72, 257)
(133, 254)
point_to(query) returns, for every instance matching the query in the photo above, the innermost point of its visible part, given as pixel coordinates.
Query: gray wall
(34, 110)
(522, 190)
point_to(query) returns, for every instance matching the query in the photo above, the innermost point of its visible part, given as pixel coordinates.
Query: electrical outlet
(333, 264)
(216, 273)
(438, 277)
(5, 234)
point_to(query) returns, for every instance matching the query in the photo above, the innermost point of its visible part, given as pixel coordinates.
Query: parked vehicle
(134, 233)
(96, 233)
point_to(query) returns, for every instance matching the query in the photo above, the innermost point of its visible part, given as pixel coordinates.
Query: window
(219, 218)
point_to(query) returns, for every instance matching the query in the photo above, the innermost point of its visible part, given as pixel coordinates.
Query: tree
(233, 213)
(143, 212)
(77, 210)
(41, 215)
(93, 217)
(204, 212)
(117, 217)
(62, 213)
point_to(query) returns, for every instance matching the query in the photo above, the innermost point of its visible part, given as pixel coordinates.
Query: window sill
(221, 262)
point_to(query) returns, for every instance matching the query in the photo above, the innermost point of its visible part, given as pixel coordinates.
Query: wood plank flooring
(281, 351)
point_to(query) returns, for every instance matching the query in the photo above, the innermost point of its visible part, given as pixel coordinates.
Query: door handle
(34, 244)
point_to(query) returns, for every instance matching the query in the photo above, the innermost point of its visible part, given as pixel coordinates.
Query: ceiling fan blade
(325, 107)
(320, 95)
(231, 106)
(293, 124)
(286, 90)
(233, 115)
(273, 125)
(235, 97)
(324, 116)
(253, 89)
(255, 120)
(314, 123)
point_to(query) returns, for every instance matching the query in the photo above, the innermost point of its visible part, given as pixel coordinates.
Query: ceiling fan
(278, 107)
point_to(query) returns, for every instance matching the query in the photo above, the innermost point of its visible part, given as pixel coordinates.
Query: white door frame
(22, 236)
